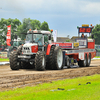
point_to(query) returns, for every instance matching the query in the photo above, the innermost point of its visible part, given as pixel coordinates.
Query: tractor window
(29, 37)
(45, 38)
(37, 38)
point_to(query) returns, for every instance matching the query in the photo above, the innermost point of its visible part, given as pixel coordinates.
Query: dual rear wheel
(86, 62)
(54, 60)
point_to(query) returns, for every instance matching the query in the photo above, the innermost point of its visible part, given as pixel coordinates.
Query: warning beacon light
(51, 30)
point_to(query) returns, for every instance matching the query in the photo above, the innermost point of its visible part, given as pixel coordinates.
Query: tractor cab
(36, 40)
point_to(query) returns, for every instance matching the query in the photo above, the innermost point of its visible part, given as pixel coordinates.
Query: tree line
(18, 27)
(96, 33)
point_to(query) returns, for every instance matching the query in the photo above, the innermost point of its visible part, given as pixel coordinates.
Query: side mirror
(50, 37)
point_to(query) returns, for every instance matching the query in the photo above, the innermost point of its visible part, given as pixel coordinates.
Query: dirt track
(10, 79)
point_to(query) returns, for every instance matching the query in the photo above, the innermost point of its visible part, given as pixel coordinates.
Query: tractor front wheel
(40, 61)
(14, 64)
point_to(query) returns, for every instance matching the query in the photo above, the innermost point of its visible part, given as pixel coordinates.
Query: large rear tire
(58, 58)
(50, 59)
(82, 63)
(67, 63)
(88, 60)
(14, 64)
(40, 62)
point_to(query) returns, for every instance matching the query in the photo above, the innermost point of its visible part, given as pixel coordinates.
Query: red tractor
(38, 52)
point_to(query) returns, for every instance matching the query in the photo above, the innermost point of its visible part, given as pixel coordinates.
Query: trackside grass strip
(69, 89)
(97, 57)
(3, 59)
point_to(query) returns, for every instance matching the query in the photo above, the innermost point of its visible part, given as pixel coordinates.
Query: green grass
(3, 59)
(97, 56)
(72, 91)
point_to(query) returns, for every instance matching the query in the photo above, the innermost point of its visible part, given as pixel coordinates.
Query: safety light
(51, 30)
(29, 29)
(85, 25)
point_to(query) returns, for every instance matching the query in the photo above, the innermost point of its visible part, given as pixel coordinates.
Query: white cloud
(56, 7)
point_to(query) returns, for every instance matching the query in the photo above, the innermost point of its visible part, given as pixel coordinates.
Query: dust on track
(10, 79)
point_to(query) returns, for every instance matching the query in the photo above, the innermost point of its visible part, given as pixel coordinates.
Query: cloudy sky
(61, 15)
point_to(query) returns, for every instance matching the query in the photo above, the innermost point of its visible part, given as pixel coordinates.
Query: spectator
(82, 36)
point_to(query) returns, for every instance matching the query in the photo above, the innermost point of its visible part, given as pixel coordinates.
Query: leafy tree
(23, 28)
(35, 24)
(96, 33)
(67, 40)
(3, 25)
(26, 25)
(17, 27)
(45, 26)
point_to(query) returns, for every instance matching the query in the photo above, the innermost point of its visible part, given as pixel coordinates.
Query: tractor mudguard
(48, 49)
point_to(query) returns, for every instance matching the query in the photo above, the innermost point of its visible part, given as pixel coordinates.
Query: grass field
(97, 56)
(49, 91)
(3, 59)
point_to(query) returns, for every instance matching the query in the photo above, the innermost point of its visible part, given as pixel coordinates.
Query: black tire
(50, 59)
(58, 59)
(82, 63)
(88, 60)
(67, 63)
(14, 64)
(40, 61)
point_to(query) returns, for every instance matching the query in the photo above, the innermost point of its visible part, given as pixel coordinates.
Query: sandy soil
(10, 79)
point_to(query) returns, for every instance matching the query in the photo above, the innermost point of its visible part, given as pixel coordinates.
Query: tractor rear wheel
(82, 63)
(67, 63)
(88, 60)
(40, 61)
(50, 59)
(58, 58)
(14, 64)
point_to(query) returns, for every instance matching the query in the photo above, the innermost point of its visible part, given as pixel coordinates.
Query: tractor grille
(26, 50)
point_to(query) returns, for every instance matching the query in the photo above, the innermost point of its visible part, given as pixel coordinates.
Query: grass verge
(3, 59)
(49, 91)
(97, 57)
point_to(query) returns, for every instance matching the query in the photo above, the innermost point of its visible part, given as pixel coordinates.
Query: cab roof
(39, 32)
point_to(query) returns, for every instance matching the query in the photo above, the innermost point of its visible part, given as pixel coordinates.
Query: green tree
(35, 24)
(96, 33)
(67, 40)
(45, 26)
(3, 25)
(27, 24)
(17, 27)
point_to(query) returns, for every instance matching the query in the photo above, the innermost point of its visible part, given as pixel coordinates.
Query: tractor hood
(30, 48)
(29, 44)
